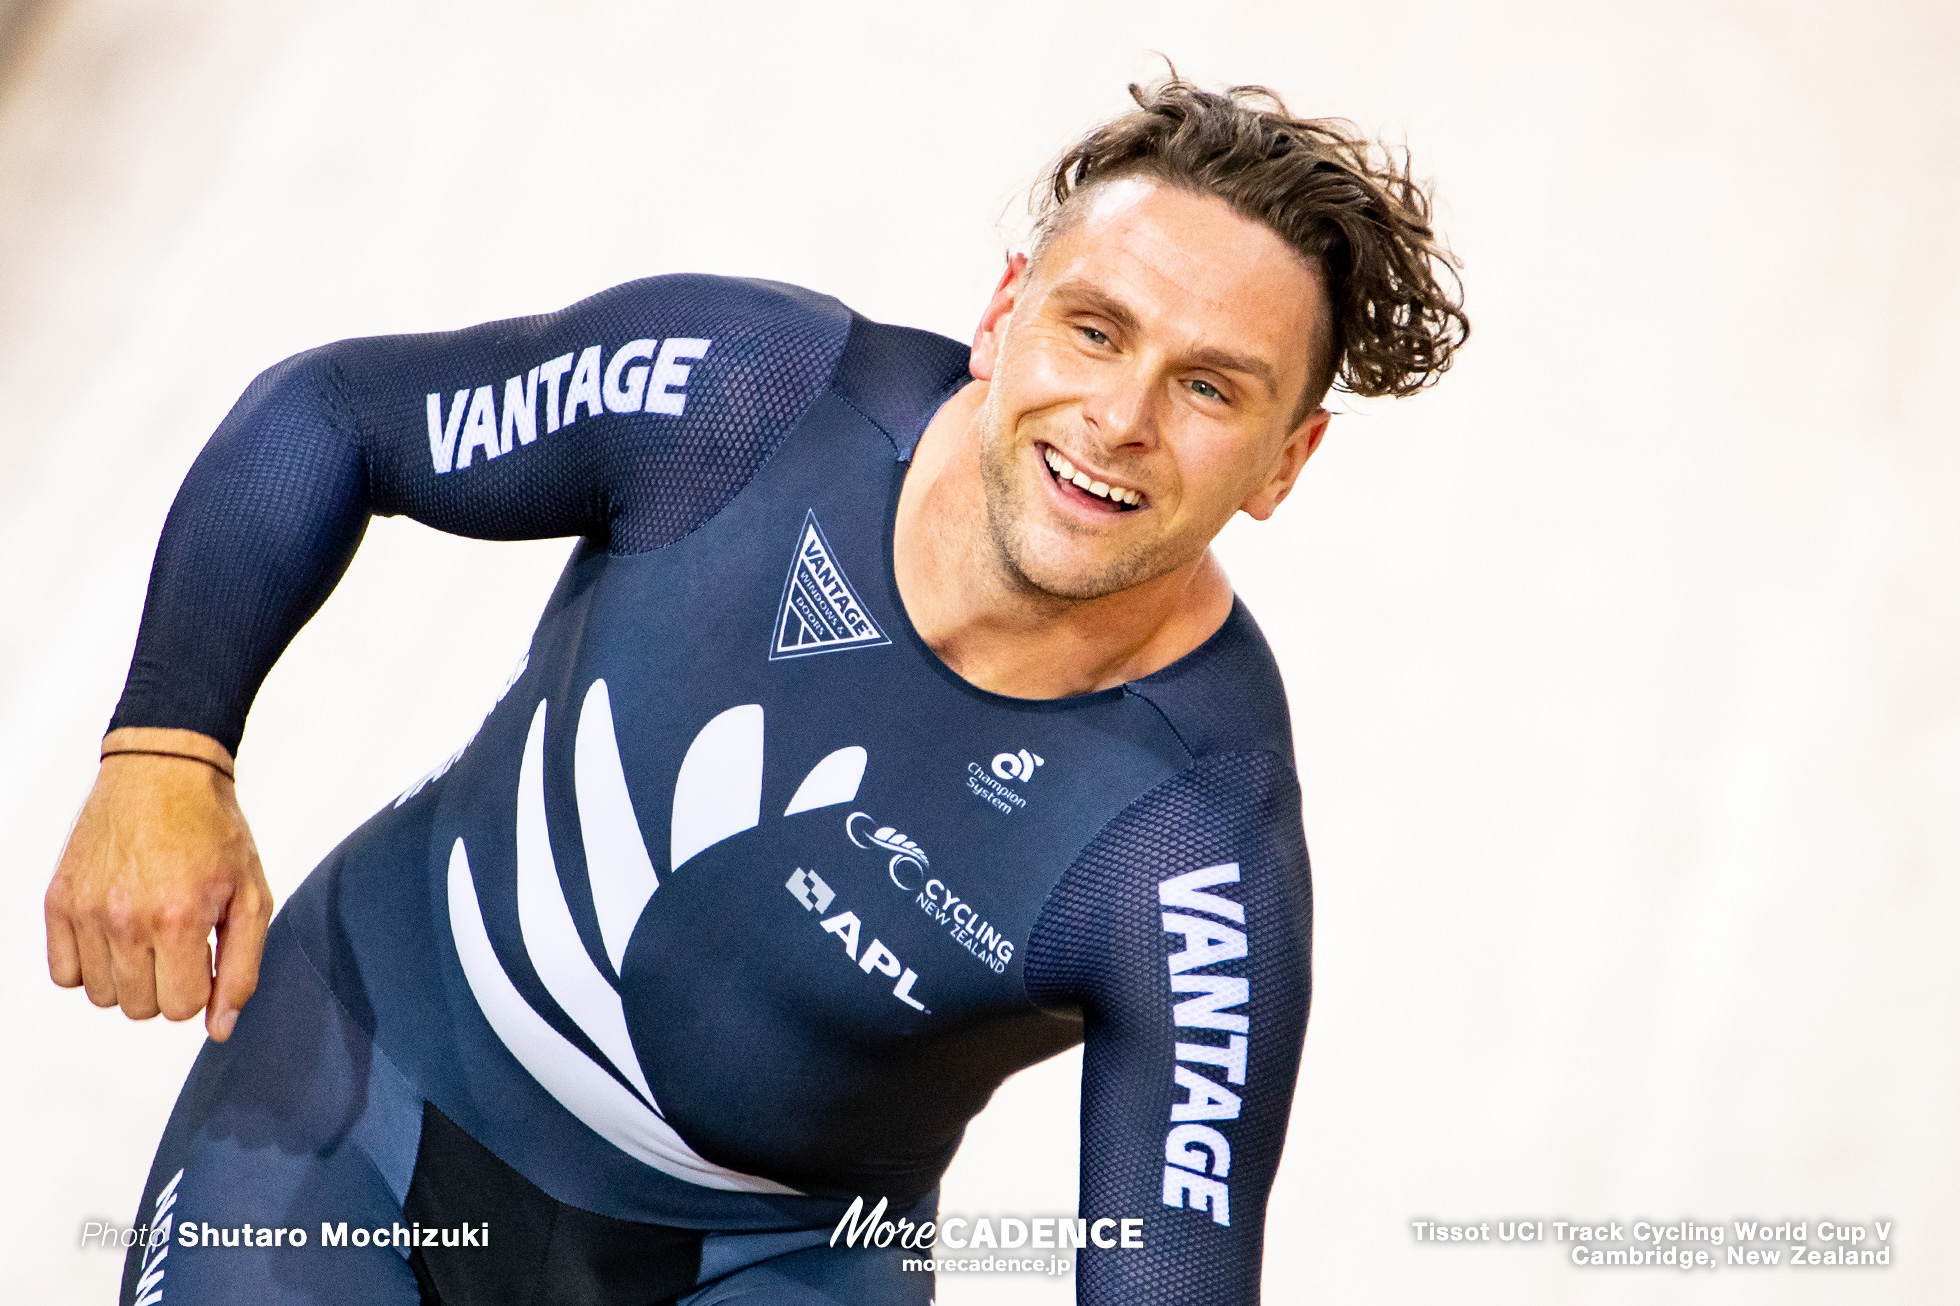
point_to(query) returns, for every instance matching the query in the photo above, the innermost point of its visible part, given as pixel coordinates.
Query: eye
(1205, 390)
(1093, 336)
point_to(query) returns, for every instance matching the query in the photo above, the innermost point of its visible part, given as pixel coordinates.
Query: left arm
(1182, 935)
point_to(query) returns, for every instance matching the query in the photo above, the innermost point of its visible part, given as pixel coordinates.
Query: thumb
(241, 943)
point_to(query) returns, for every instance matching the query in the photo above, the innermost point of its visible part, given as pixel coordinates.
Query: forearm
(260, 532)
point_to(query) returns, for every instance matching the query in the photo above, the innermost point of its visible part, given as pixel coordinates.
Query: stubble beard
(1021, 561)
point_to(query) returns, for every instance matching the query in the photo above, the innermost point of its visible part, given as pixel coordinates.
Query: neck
(994, 630)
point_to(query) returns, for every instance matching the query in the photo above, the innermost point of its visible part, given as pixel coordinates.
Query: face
(1146, 379)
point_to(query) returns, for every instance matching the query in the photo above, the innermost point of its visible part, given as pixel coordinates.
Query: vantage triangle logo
(820, 612)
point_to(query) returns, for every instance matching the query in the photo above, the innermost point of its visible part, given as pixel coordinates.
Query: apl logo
(717, 795)
(1017, 766)
(904, 852)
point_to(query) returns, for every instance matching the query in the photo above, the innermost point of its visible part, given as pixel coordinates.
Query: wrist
(156, 741)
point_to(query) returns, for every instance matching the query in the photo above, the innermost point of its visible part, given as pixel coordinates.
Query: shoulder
(745, 323)
(896, 377)
(759, 349)
(681, 301)
(1228, 825)
(1225, 696)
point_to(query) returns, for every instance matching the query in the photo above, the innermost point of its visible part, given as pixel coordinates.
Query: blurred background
(1623, 666)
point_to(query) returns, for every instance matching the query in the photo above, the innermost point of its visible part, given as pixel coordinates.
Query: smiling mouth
(1118, 497)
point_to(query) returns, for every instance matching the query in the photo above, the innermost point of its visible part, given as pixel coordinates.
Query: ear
(1293, 455)
(993, 322)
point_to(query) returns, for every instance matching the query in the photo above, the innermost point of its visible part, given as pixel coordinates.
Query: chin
(1059, 559)
(1054, 564)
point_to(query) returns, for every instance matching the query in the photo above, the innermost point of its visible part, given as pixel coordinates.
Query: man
(891, 729)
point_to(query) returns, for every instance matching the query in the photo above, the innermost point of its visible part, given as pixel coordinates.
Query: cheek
(1000, 444)
(1035, 374)
(1216, 472)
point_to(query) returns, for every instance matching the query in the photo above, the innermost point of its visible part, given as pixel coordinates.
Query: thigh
(506, 1242)
(293, 1128)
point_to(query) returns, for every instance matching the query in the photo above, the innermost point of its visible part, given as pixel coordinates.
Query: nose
(1124, 410)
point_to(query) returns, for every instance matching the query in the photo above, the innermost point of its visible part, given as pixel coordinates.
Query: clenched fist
(159, 858)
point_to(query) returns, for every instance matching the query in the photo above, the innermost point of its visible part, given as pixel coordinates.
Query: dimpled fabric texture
(323, 440)
(1100, 946)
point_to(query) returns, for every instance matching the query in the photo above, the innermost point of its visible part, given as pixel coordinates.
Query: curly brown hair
(1349, 208)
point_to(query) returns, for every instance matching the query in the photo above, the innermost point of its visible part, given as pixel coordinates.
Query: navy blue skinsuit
(739, 904)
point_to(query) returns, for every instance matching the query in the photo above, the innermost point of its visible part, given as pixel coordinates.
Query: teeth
(1067, 471)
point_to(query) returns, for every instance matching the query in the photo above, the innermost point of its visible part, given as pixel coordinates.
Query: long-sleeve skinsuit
(739, 904)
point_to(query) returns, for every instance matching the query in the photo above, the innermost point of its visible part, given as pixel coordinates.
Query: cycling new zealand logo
(820, 611)
(905, 852)
(911, 870)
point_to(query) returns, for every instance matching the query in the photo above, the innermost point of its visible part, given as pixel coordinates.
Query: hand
(160, 857)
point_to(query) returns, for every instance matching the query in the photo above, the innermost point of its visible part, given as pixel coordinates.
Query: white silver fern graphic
(717, 795)
(149, 1283)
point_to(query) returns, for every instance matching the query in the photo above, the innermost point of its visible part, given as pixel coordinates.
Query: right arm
(628, 419)
(1182, 934)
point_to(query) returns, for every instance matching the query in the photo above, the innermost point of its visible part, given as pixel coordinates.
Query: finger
(183, 962)
(98, 972)
(126, 929)
(64, 958)
(136, 983)
(241, 942)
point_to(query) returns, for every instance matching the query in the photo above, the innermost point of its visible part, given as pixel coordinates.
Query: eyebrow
(1099, 301)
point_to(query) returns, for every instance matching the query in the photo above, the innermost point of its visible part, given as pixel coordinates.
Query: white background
(1623, 665)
